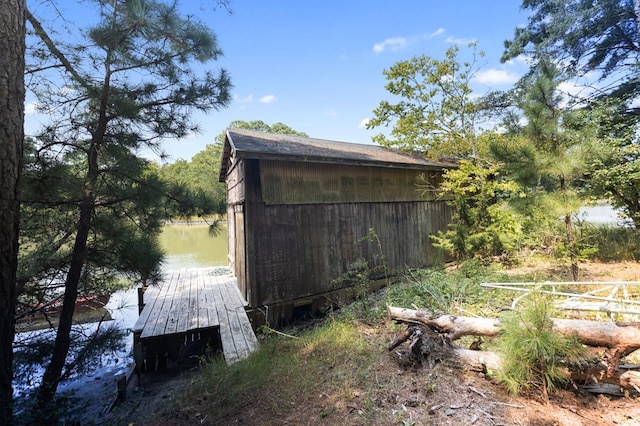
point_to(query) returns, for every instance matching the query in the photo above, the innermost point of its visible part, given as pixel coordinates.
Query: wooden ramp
(190, 307)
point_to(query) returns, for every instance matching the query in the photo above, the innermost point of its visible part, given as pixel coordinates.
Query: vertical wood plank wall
(301, 250)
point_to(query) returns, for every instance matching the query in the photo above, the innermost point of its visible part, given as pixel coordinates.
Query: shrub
(534, 355)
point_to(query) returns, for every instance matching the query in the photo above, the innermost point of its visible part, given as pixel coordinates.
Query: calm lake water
(602, 214)
(186, 246)
(190, 246)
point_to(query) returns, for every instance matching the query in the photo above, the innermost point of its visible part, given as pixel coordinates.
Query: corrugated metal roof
(250, 144)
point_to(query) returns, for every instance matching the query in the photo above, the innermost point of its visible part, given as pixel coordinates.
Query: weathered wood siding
(306, 225)
(235, 223)
(302, 250)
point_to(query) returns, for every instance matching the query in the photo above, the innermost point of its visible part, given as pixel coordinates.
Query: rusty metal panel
(285, 182)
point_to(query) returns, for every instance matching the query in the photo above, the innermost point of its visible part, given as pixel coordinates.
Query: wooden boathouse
(305, 213)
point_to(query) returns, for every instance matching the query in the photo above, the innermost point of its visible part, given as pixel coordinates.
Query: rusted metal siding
(311, 183)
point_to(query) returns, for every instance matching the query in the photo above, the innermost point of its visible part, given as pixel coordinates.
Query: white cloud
(520, 59)
(363, 123)
(463, 41)
(495, 76)
(31, 108)
(267, 99)
(67, 90)
(436, 33)
(573, 93)
(246, 100)
(394, 43)
(570, 88)
(249, 99)
(399, 43)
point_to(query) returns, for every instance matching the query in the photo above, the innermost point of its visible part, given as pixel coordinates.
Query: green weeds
(332, 359)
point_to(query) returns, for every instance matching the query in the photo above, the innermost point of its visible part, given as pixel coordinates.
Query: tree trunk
(53, 374)
(597, 373)
(571, 242)
(12, 92)
(427, 345)
(619, 338)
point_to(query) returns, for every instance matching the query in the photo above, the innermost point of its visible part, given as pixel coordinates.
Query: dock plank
(211, 313)
(184, 313)
(247, 331)
(158, 317)
(228, 344)
(196, 299)
(150, 295)
(166, 323)
(174, 313)
(152, 310)
(200, 318)
(239, 349)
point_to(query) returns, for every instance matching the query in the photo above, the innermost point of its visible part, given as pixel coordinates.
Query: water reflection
(190, 246)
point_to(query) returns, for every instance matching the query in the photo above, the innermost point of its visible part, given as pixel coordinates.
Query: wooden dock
(190, 309)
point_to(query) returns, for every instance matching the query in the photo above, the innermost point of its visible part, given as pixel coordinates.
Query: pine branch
(41, 32)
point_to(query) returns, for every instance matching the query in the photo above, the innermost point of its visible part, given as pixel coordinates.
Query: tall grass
(609, 243)
(283, 372)
(455, 291)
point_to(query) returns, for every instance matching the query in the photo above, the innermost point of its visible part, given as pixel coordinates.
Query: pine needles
(533, 355)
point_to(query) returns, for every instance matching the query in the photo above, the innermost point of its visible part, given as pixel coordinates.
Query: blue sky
(317, 65)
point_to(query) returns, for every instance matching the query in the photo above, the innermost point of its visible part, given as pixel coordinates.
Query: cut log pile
(431, 337)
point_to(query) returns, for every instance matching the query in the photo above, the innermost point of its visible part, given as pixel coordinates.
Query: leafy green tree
(260, 126)
(550, 158)
(614, 157)
(435, 112)
(483, 224)
(600, 37)
(12, 93)
(130, 83)
(199, 177)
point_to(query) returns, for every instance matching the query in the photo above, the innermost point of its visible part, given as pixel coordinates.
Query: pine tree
(12, 46)
(132, 82)
(552, 158)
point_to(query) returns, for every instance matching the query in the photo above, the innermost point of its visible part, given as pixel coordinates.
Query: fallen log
(619, 338)
(595, 373)
(427, 345)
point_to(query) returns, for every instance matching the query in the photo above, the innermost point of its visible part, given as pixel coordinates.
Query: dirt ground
(406, 394)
